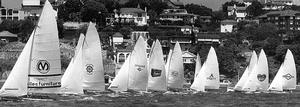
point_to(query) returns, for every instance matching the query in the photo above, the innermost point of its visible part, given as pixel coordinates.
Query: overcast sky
(213, 4)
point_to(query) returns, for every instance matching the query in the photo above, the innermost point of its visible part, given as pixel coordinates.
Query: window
(3, 12)
(276, 18)
(291, 17)
(298, 17)
(139, 14)
(9, 12)
(291, 22)
(15, 11)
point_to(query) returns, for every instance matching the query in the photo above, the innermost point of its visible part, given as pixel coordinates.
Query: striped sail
(93, 76)
(45, 66)
(157, 72)
(176, 70)
(247, 72)
(138, 73)
(16, 83)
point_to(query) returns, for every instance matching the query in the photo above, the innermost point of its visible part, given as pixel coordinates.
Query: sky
(213, 4)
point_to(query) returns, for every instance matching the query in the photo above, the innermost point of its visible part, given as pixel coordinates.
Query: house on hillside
(178, 17)
(208, 38)
(128, 16)
(286, 21)
(174, 3)
(6, 36)
(238, 12)
(188, 57)
(227, 26)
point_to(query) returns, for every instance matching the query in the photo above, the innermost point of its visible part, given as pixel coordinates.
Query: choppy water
(159, 99)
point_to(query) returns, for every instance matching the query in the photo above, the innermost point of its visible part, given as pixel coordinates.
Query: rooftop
(281, 13)
(7, 34)
(131, 10)
(228, 22)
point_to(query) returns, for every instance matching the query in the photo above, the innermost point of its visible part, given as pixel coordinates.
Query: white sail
(72, 82)
(68, 71)
(276, 84)
(120, 82)
(258, 79)
(45, 66)
(16, 83)
(138, 72)
(176, 70)
(197, 66)
(199, 81)
(168, 64)
(286, 75)
(93, 76)
(290, 74)
(157, 72)
(247, 72)
(211, 70)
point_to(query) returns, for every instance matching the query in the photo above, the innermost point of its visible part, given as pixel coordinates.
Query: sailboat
(248, 70)
(93, 76)
(208, 76)
(285, 78)
(258, 79)
(120, 82)
(157, 73)
(71, 81)
(133, 75)
(175, 69)
(138, 72)
(38, 68)
(167, 65)
(197, 66)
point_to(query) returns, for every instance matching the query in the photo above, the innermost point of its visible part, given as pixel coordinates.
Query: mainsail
(211, 70)
(120, 82)
(258, 79)
(93, 76)
(175, 69)
(45, 66)
(197, 66)
(168, 64)
(138, 72)
(247, 72)
(71, 81)
(16, 83)
(157, 72)
(199, 81)
(285, 78)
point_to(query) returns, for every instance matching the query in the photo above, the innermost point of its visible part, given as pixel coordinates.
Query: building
(227, 26)
(248, 2)
(208, 38)
(188, 57)
(12, 14)
(136, 34)
(278, 4)
(177, 17)
(8, 37)
(286, 21)
(117, 38)
(237, 12)
(128, 16)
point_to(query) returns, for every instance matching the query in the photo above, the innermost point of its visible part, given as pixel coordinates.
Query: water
(159, 99)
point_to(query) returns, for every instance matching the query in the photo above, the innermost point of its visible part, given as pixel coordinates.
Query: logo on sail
(174, 73)
(139, 67)
(89, 68)
(211, 77)
(155, 72)
(43, 66)
(288, 76)
(261, 77)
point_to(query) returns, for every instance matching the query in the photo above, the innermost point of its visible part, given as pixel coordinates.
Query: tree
(255, 9)
(68, 9)
(92, 11)
(126, 31)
